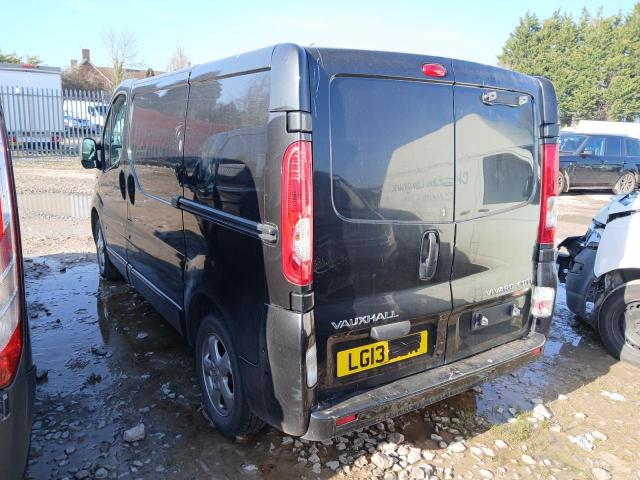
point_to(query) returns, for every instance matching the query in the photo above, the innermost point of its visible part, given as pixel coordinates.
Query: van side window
(157, 136)
(114, 132)
(226, 141)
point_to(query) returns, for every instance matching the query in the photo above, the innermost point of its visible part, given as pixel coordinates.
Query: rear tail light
(549, 193)
(297, 213)
(542, 302)
(10, 273)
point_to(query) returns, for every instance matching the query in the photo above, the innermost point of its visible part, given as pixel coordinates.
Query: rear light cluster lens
(10, 275)
(297, 213)
(549, 193)
(543, 301)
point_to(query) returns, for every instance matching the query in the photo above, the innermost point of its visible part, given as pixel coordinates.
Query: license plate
(384, 352)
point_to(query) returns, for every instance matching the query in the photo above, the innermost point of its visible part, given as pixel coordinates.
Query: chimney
(74, 62)
(86, 57)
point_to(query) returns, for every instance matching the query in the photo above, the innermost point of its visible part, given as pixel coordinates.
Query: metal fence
(42, 121)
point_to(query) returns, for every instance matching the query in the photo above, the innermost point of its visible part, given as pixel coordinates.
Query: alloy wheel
(631, 324)
(627, 183)
(100, 249)
(218, 375)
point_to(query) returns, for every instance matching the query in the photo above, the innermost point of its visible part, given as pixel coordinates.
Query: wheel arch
(200, 304)
(609, 296)
(612, 281)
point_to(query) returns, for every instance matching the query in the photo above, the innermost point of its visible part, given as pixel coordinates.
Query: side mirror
(89, 153)
(587, 153)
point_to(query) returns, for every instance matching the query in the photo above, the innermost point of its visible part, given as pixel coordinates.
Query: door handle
(131, 189)
(429, 251)
(123, 187)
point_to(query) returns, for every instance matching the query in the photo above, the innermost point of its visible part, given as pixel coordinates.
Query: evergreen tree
(594, 61)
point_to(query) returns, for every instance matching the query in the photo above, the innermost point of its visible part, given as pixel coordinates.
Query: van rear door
(383, 164)
(497, 208)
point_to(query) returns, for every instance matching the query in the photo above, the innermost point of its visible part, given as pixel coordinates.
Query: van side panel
(155, 248)
(225, 145)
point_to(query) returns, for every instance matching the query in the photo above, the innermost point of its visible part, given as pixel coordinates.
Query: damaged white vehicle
(601, 271)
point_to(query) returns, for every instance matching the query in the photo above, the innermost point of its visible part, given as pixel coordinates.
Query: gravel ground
(113, 399)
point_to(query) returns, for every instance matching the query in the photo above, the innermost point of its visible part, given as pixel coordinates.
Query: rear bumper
(422, 389)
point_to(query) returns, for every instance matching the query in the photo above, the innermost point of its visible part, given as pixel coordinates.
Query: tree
(123, 53)
(13, 58)
(74, 79)
(592, 61)
(178, 60)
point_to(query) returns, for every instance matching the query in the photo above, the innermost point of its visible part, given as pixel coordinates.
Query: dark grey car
(598, 161)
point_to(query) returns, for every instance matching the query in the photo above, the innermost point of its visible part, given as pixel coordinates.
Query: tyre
(619, 322)
(625, 184)
(106, 268)
(219, 376)
(562, 183)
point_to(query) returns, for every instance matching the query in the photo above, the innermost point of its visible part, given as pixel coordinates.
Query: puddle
(573, 357)
(103, 380)
(73, 205)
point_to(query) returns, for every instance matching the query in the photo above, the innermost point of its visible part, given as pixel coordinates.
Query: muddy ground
(107, 363)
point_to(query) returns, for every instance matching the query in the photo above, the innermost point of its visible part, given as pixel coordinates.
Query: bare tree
(178, 60)
(123, 52)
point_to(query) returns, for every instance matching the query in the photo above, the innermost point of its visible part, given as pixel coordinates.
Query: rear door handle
(131, 189)
(429, 251)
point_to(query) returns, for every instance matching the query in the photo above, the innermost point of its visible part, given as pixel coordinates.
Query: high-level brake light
(297, 213)
(434, 70)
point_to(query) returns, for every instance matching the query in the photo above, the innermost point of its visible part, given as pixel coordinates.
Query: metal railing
(42, 121)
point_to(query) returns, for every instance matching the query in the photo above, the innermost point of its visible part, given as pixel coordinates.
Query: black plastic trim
(422, 389)
(298, 122)
(302, 302)
(266, 232)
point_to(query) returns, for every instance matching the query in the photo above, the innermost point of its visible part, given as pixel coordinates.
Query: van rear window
(494, 154)
(392, 150)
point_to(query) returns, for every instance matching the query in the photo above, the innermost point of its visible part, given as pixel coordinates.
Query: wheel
(106, 268)
(562, 183)
(625, 184)
(219, 376)
(619, 322)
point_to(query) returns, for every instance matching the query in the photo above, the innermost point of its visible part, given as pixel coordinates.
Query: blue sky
(57, 30)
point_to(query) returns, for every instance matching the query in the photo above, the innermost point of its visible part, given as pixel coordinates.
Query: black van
(343, 236)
